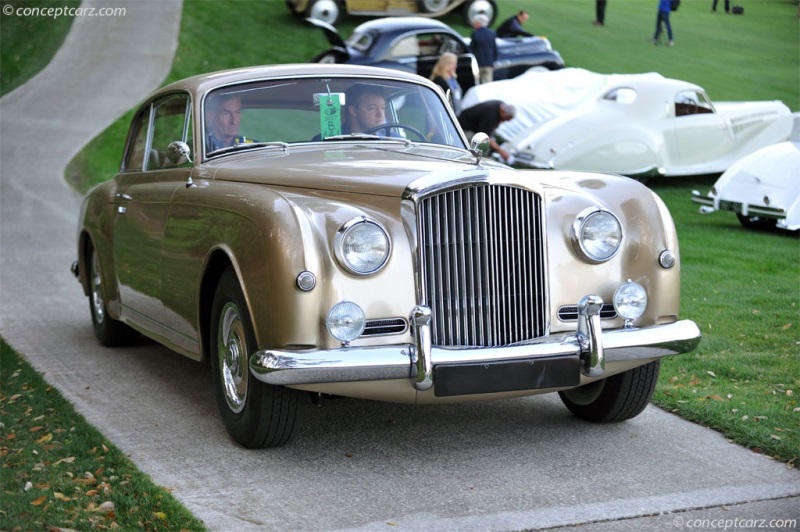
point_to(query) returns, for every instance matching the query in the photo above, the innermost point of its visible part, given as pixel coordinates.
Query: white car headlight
(597, 234)
(346, 321)
(362, 246)
(630, 301)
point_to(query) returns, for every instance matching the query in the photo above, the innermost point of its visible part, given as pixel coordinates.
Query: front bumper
(550, 362)
(711, 204)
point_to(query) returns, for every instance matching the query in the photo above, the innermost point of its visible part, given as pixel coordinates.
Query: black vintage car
(414, 44)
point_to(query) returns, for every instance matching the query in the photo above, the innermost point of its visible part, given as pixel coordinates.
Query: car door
(701, 134)
(419, 53)
(144, 189)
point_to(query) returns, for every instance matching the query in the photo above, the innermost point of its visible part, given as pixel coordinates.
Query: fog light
(630, 301)
(346, 321)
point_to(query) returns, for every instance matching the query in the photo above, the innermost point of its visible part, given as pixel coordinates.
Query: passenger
(223, 119)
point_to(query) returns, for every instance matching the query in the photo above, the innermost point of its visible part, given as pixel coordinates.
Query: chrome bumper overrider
(589, 347)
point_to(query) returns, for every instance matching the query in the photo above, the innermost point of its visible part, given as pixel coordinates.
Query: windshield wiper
(249, 146)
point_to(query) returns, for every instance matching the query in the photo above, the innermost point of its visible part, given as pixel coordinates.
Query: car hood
(384, 169)
(771, 170)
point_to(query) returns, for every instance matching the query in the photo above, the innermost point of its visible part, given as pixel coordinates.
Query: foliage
(60, 473)
(29, 41)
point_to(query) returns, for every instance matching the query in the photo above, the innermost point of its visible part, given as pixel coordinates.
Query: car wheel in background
(109, 332)
(325, 10)
(326, 57)
(433, 6)
(472, 8)
(616, 398)
(255, 414)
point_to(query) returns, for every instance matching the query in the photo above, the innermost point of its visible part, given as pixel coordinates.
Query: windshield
(325, 110)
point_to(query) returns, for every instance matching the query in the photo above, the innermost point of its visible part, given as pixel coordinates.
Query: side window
(171, 122)
(406, 47)
(137, 143)
(452, 45)
(692, 103)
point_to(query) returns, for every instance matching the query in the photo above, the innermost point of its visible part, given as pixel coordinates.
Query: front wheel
(616, 398)
(256, 414)
(109, 332)
(325, 10)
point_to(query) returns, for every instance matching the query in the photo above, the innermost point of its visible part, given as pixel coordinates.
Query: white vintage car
(640, 125)
(763, 189)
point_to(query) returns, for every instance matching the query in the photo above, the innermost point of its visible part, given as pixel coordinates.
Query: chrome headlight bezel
(597, 235)
(362, 231)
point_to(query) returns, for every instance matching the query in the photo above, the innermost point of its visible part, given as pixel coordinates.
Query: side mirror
(178, 153)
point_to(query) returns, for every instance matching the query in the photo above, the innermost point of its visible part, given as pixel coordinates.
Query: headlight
(630, 301)
(346, 321)
(597, 234)
(362, 246)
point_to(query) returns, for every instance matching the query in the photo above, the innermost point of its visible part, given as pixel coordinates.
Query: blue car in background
(414, 44)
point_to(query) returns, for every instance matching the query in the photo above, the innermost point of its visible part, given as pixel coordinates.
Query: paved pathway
(508, 465)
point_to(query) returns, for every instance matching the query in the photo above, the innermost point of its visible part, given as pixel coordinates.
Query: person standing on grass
(727, 6)
(664, 8)
(600, 13)
(484, 47)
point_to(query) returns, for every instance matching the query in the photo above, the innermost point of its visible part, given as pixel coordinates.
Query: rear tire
(616, 398)
(256, 414)
(109, 332)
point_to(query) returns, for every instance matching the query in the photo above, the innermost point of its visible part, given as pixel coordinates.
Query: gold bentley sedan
(327, 230)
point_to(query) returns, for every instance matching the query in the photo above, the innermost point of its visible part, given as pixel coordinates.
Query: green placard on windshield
(330, 116)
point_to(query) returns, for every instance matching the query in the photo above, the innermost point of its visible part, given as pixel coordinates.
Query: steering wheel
(390, 125)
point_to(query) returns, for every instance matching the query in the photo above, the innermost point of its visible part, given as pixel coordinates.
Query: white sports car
(763, 189)
(640, 125)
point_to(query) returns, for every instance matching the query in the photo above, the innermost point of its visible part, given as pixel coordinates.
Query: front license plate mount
(506, 376)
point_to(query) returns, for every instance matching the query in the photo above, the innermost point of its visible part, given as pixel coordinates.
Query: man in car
(485, 117)
(366, 109)
(223, 118)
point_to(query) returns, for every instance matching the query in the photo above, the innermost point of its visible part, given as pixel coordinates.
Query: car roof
(204, 82)
(399, 24)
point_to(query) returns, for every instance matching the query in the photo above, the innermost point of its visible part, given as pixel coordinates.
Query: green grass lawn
(741, 287)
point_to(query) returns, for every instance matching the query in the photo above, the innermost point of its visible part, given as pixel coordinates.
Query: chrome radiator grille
(482, 265)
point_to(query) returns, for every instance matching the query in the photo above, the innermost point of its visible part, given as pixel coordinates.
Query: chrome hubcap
(478, 7)
(98, 304)
(232, 353)
(324, 10)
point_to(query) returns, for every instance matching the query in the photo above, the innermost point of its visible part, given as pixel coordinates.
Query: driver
(366, 109)
(223, 119)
